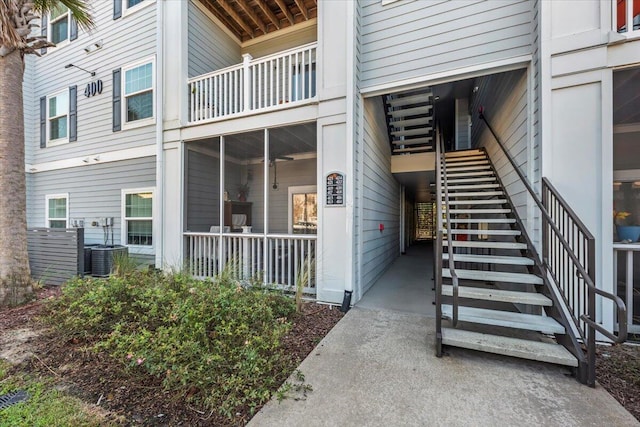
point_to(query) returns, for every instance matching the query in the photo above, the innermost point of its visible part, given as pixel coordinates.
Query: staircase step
(472, 187)
(480, 211)
(495, 276)
(490, 259)
(411, 122)
(413, 141)
(451, 170)
(477, 202)
(485, 232)
(478, 220)
(508, 319)
(529, 298)
(405, 112)
(452, 161)
(409, 100)
(462, 174)
(412, 132)
(485, 244)
(506, 346)
(476, 194)
(423, 148)
(469, 180)
(464, 153)
(468, 163)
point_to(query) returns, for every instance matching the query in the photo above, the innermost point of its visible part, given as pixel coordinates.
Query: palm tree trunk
(15, 277)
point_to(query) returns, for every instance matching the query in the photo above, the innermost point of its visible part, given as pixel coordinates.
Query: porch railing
(275, 259)
(254, 85)
(627, 256)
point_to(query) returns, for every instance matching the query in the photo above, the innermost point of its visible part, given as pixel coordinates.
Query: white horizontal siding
(209, 48)
(125, 40)
(410, 39)
(380, 197)
(94, 192)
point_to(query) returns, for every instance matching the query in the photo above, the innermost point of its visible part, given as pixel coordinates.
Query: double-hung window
(137, 217)
(59, 24)
(58, 118)
(57, 210)
(131, 3)
(138, 93)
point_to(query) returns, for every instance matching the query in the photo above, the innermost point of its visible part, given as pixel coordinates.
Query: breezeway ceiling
(248, 19)
(626, 96)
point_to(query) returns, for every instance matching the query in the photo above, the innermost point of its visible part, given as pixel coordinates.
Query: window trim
(297, 189)
(125, 124)
(50, 23)
(46, 208)
(138, 249)
(59, 141)
(126, 11)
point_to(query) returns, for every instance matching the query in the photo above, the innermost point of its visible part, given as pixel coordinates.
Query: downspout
(159, 194)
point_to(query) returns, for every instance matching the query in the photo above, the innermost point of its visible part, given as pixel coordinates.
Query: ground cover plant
(215, 344)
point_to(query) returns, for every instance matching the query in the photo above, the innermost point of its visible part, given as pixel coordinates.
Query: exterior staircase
(492, 291)
(410, 121)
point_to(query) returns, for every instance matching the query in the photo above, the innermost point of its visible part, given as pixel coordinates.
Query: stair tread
(506, 319)
(477, 202)
(479, 211)
(490, 259)
(412, 141)
(476, 194)
(457, 168)
(463, 153)
(472, 187)
(515, 297)
(507, 346)
(478, 220)
(409, 100)
(410, 111)
(484, 232)
(412, 132)
(467, 180)
(461, 174)
(485, 244)
(495, 276)
(398, 124)
(468, 163)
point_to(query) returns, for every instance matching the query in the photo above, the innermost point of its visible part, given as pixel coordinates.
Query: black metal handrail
(587, 274)
(441, 181)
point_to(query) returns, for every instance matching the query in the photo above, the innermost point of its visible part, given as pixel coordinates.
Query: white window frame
(142, 122)
(46, 208)
(629, 33)
(299, 189)
(50, 32)
(133, 9)
(53, 142)
(138, 249)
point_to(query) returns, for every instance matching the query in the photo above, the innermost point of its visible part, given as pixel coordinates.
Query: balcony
(627, 11)
(282, 80)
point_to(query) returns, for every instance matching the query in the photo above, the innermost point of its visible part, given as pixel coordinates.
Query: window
(58, 118)
(138, 92)
(59, 23)
(131, 3)
(57, 208)
(137, 217)
(303, 210)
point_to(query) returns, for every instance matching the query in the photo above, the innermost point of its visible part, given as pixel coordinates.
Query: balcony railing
(275, 259)
(255, 85)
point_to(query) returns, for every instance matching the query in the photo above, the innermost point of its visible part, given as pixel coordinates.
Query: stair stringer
(558, 311)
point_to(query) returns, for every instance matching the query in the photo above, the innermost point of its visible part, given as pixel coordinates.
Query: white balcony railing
(627, 15)
(626, 258)
(254, 85)
(286, 259)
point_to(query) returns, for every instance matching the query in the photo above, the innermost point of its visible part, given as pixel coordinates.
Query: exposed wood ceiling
(248, 19)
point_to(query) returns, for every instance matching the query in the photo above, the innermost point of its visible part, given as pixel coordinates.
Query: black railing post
(591, 339)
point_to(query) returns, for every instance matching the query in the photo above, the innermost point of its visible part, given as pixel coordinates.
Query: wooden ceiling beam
(234, 15)
(303, 9)
(269, 13)
(225, 20)
(252, 14)
(286, 11)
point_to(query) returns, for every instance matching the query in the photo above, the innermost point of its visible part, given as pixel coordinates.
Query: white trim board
(92, 159)
(488, 68)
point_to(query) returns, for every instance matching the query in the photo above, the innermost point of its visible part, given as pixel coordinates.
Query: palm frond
(79, 8)
(10, 12)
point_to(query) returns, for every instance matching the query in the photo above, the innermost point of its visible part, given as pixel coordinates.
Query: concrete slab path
(378, 368)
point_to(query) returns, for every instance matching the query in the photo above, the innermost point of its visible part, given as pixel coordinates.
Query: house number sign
(93, 89)
(335, 189)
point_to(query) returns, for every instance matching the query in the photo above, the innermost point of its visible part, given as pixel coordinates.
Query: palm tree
(17, 18)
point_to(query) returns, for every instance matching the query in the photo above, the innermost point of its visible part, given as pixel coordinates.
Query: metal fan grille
(13, 398)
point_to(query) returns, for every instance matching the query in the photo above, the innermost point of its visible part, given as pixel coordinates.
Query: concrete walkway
(377, 367)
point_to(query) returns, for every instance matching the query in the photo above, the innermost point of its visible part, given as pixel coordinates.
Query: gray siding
(409, 39)
(29, 106)
(125, 40)
(504, 97)
(94, 192)
(202, 204)
(380, 198)
(209, 47)
(357, 158)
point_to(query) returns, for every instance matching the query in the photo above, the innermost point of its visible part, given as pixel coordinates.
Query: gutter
(159, 211)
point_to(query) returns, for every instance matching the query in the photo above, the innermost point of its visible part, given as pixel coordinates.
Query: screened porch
(250, 206)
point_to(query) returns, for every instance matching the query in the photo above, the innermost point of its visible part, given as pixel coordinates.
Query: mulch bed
(618, 371)
(141, 401)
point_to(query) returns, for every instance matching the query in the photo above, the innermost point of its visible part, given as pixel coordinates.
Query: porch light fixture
(93, 73)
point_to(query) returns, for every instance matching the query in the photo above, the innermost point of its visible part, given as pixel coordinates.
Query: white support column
(221, 195)
(265, 254)
(246, 80)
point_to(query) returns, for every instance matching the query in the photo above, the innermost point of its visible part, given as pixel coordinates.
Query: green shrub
(216, 344)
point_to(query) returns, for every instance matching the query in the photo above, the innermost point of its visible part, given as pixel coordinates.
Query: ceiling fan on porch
(273, 162)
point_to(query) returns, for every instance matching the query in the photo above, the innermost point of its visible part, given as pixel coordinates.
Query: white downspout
(159, 194)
